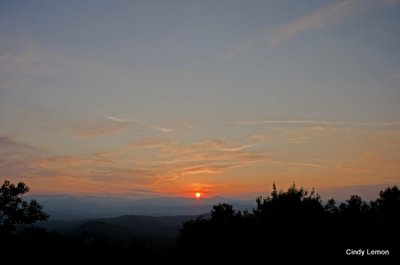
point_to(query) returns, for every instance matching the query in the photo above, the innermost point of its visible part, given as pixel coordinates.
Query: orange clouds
(149, 163)
(308, 154)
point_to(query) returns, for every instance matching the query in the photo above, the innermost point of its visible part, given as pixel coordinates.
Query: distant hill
(127, 227)
(67, 207)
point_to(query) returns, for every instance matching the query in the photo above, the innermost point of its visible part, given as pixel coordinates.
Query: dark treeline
(295, 224)
(286, 225)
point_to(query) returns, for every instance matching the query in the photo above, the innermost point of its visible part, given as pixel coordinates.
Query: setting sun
(198, 194)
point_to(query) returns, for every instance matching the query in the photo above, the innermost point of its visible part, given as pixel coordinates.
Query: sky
(169, 98)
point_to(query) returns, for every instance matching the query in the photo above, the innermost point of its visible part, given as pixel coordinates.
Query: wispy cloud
(261, 137)
(143, 124)
(236, 50)
(121, 120)
(297, 164)
(302, 131)
(163, 129)
(16, 158)
(209, 157)
(152, 164)
(289, 131)
(7, 143)
(162, 165)
(111, 125)
(315, 122)
(202, 187)
(317, 19)
(328, 14)
(202, 168)
(239, 148)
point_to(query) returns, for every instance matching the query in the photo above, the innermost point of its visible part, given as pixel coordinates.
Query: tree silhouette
(355, 209)
(294, 205)
(290, 225)
(388, 205)
(14, 210)
(330, 208)
(294, 224)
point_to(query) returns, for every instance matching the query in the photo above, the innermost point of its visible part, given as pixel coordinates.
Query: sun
(198, 195)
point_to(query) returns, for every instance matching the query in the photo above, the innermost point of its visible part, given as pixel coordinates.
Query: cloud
(143, 191)
(201, 187)
(316, 19)
(204, 169)
(295, 132)
(120, 119)
(261, 137)
(163, 129)
(16, 159)
(236, 50)
(174, 160)
(333, 12)
(301, 139)
(149, 164)
(306, 133)
(297, 164)
(166, 165)
(154, 143)
(58, 162)
(235, 149)
(302, 131)
(208, 151)
(121, 175)
(8, 144)
(200, 168)
(315, 122)
(143, 124)
(89, 173)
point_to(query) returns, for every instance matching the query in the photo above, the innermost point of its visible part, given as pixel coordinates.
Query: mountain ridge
(70, 207)
(125, 227)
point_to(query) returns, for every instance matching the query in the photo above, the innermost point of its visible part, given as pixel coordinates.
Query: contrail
(149, 126)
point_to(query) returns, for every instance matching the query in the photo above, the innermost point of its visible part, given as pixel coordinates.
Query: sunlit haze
(183, 98)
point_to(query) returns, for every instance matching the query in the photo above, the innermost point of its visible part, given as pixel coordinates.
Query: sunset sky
(169, 98)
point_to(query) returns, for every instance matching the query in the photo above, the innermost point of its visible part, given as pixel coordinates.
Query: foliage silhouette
(388, 205)
(290, 225)
(14, 210)
(294, 224)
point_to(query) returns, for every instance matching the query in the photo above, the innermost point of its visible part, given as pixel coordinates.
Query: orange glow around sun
(198, 195)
